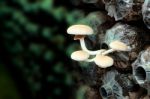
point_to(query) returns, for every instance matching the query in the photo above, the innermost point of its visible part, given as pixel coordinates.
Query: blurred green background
(35, 49)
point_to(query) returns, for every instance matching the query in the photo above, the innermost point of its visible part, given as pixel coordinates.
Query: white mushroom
(80, 55)
(116, 46)
(103, 61)
(83, 56)
(80, 31)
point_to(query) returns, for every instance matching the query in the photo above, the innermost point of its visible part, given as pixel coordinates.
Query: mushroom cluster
(120, 33)
(129, 35)
(101, 57)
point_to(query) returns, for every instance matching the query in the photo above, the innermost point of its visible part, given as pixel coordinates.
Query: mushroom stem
(90, 60)
(108, 51)
(83, 46)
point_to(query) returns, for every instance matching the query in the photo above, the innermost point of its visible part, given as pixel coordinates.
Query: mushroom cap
(79, 55)
(103, 61)
(117, 45)
(80, 30)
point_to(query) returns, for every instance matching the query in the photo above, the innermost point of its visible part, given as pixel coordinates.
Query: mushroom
(80, 55)
(116, 46)
(80, 31)
(103, 61)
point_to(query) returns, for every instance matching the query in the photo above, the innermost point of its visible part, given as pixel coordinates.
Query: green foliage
(33, 46)
(7, 85)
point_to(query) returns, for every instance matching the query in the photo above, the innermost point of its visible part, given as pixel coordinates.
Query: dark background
(35, 48)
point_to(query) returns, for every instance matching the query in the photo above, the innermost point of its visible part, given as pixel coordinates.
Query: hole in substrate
(103, 92)
(140, 74)
(104, 46)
